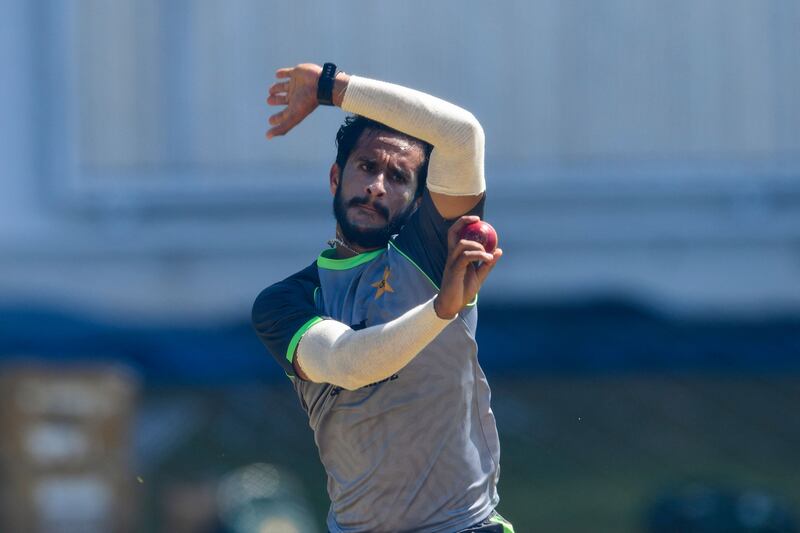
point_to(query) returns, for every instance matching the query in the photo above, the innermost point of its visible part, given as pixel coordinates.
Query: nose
(376, 187)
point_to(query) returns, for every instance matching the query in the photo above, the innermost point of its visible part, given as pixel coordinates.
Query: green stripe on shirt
(296, 337)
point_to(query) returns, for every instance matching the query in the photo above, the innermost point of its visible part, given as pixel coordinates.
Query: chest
(372, 293)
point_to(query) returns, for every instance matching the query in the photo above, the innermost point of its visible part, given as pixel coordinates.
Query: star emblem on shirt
(383, 285)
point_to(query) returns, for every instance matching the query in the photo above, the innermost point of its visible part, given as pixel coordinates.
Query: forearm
(331, 352)
(457, 163)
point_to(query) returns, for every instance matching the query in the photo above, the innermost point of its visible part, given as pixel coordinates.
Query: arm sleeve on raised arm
(456, 163)
(331, 352)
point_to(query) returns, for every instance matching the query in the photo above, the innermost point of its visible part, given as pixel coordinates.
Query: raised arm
(455, 171)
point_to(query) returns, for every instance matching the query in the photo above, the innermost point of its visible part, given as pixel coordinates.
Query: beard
(368, 237)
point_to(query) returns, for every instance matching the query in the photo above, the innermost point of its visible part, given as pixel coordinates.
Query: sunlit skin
(380, 176)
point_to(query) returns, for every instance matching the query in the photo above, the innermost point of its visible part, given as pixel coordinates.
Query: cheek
(350, 185)
(408, 193)
(403, 198)
(358, 182)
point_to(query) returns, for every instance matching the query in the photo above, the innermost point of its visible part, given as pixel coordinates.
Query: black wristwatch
(325, 84)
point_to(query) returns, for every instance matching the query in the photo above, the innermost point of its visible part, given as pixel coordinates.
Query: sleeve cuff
(290, 350)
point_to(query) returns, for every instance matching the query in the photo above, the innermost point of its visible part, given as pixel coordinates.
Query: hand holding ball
(468, 264)
(481, 232)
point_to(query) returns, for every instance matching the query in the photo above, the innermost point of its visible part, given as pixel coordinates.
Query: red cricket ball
(481, 232)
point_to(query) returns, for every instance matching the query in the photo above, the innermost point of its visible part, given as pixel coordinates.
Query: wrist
(442, 313)
(340, 83)
(325, 84)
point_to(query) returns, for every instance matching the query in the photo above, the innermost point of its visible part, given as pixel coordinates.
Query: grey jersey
(418, 451)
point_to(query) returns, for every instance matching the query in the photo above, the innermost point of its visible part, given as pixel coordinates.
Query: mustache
(363, 200)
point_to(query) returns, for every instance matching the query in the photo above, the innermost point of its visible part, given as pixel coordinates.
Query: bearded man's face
(375, 193)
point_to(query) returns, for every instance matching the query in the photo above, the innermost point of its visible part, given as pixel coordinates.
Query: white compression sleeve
(331, 352)
(456, 163)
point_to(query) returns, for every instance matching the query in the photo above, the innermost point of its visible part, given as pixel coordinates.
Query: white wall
(645, 149)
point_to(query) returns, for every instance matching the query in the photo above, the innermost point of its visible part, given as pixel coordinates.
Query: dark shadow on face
(368, 237)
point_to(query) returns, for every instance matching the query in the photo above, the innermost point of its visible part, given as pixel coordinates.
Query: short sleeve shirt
(418, 451)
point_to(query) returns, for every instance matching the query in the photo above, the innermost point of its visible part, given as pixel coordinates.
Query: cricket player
(378, 334)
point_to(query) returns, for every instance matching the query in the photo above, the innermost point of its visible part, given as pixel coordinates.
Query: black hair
(350, 132)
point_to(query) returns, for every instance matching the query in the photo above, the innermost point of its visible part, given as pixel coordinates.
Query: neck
(344, 248)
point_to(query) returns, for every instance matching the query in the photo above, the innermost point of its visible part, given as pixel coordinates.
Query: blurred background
(641, 335)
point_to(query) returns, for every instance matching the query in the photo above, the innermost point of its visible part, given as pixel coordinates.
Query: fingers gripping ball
(481, 232)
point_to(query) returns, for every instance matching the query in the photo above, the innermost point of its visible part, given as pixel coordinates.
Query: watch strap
(325, 84)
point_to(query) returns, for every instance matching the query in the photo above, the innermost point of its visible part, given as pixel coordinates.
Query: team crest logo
(383, 285)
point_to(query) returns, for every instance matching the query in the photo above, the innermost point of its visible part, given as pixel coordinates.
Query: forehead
(401, 149)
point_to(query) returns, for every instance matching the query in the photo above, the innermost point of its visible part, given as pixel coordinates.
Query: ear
(335, 177)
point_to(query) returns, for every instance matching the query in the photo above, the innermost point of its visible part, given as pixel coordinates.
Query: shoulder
(430, 223)
(291, 291)
(283, 311)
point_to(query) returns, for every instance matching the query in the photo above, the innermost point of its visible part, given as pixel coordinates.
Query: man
(378, 334)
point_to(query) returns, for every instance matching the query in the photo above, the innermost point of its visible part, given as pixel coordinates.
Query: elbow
(347, 377)
(462, 133)
(475, 129)
(472, 138)
(477, 136)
